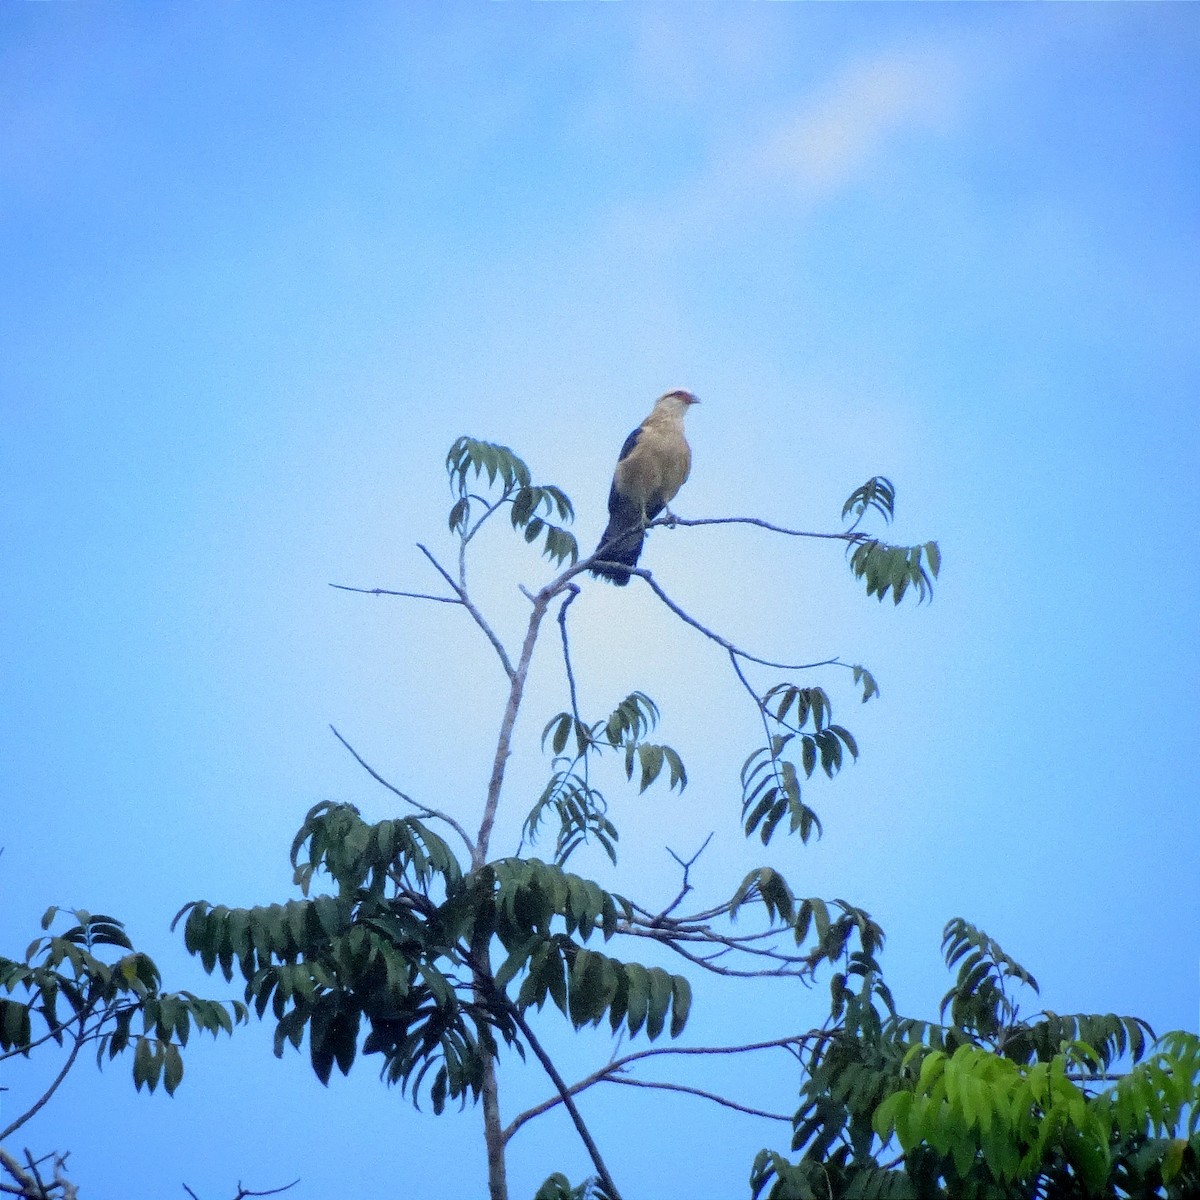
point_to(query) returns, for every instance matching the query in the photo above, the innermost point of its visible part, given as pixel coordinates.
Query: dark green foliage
(877, 493)
(884, 567)
(88, 984)
(393, 958)
(385, 958)
(580, 808)
(542, 917)
(896, 568)
(869, 686)
(531, 503)
(770, 782)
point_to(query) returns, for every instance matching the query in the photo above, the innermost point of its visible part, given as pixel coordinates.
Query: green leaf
(681, 1003)
(172, 1068)
(661, 991)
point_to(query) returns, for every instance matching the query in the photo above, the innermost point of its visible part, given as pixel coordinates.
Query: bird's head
(677, 402)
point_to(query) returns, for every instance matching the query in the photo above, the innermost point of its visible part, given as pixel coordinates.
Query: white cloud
(831, 142)
(819, 147)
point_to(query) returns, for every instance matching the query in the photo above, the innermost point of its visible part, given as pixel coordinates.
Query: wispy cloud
(819, 147)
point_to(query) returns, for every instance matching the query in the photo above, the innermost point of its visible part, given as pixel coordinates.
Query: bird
(652, 467)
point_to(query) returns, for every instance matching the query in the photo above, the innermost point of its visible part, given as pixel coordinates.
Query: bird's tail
(621, 546)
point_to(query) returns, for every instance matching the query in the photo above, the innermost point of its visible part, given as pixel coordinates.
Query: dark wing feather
(624, 518)
(617, 504)
(630, 442)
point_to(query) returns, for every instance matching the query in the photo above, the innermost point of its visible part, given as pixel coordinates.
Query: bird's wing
(630, 442)
(615, 497)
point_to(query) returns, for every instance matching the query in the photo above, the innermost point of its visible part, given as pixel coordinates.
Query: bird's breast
(657, 466)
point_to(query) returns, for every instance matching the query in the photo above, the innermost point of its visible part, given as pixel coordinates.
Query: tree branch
(461, 592)
(724, 643)
(565, 1097)
(342, 587)
(504, 743)
(40, 1103)
(724, 1101)
(423, 809)
(618, 1064)
(845, 536)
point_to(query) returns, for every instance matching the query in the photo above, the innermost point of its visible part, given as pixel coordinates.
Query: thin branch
(846, 536)
(242, 1192)
(691, 1091)
(40, 1103)
(618, 1064)
(716, 637)
(785, 972)
(37, 1175)
(342, 587)
(685, 886)
(565, 1096)
(423, 809)
(461, 592)
(573, 590)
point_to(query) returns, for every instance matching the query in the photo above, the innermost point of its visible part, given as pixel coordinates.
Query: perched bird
(653, 465)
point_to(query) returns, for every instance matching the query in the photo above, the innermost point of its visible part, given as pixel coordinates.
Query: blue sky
(262, 264)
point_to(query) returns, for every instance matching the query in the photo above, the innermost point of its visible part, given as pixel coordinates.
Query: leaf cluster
(532, 505)
(395, 961)
(558, 1187)
(988, 1105)
(87, 984)
(770, 782)
(579, 807)
(384, 957)
(886, 567)
(543, 916)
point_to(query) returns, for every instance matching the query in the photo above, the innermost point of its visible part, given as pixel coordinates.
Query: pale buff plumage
(653, 465)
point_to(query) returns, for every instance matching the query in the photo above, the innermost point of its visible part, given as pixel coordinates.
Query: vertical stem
(493, 1133)
(504, 744)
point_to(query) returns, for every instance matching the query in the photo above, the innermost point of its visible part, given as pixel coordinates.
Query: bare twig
(724, 643)
(243, 1192)
(573, 591)
(609, 1070)
(565, 1097)
(423, 809)
(685, 886)
(342, 587)
(724, 1101)
(461, 592)
(845, 536)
